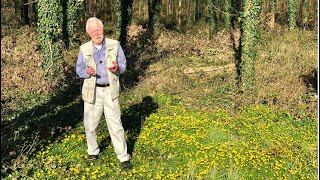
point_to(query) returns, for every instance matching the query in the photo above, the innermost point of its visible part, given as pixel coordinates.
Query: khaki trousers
(103, 103)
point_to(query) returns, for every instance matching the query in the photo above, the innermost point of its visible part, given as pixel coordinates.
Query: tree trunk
(272, 19)
(124, 16)
(227, 19)
(179, 14)
(250, 35)
(213, 17)
(292, 8)
(50, 33)
(304, 13)
(94, 8)
(24, 12)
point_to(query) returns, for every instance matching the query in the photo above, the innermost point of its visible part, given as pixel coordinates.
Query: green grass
(176, 143)
(179, 126)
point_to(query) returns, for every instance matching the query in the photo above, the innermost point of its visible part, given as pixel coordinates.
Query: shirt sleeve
(121, 59)
(81, 67)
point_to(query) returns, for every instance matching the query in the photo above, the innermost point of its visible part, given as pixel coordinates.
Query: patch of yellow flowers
(175, 143)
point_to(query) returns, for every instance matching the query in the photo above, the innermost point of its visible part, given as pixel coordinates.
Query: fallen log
(209, 69)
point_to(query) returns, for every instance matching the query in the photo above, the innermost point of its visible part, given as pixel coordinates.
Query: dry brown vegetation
(21, 73)
(285, 69)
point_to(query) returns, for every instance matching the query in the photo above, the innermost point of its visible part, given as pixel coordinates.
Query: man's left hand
(114, 67)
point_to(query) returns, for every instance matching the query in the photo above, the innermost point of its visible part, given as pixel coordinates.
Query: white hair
(93, 20)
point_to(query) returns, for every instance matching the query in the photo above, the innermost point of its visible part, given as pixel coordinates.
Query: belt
(102, 85)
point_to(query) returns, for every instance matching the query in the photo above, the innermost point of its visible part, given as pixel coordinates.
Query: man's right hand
(91, 71)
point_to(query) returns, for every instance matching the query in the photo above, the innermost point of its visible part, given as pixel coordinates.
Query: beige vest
(89, 85)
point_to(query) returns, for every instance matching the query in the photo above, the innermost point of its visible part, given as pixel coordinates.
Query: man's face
(95, 32)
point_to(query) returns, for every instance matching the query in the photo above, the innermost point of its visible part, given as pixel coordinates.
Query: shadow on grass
(311, 81)
(134, 118)
(36, 128)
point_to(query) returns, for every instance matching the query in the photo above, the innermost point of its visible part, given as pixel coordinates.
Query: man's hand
(91, 71)
(114, 67)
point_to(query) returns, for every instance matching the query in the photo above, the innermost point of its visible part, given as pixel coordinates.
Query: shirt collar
(102, 45)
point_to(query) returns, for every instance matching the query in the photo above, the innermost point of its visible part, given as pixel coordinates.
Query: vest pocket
(88, 90)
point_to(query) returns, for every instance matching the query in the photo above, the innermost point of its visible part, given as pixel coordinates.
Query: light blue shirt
(100, 60)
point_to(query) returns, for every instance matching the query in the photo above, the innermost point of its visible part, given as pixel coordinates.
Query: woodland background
(214, 89)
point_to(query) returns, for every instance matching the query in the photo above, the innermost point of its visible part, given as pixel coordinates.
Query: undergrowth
(178, 126)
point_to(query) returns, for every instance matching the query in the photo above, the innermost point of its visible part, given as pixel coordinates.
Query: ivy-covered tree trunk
(50, 34)
(24, 12)
(292, 9)
(213, 16)
(195, 11)
(124, 14)
(74, 9)
(304, 13)
(154, 14)
(250, 35)
(235, 13)
(227, 15)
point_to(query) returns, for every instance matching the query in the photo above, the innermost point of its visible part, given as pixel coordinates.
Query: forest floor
(181, 108)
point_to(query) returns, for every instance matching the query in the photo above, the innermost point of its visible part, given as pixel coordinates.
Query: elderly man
(100, 61)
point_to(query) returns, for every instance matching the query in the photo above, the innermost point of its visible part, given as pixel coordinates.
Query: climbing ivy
(292, 8)
(50, 34)
(124, 15)
(250, 35)
(305, 7)
(213, 16)
(154, 13)
(227, 18)
(73, 14)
